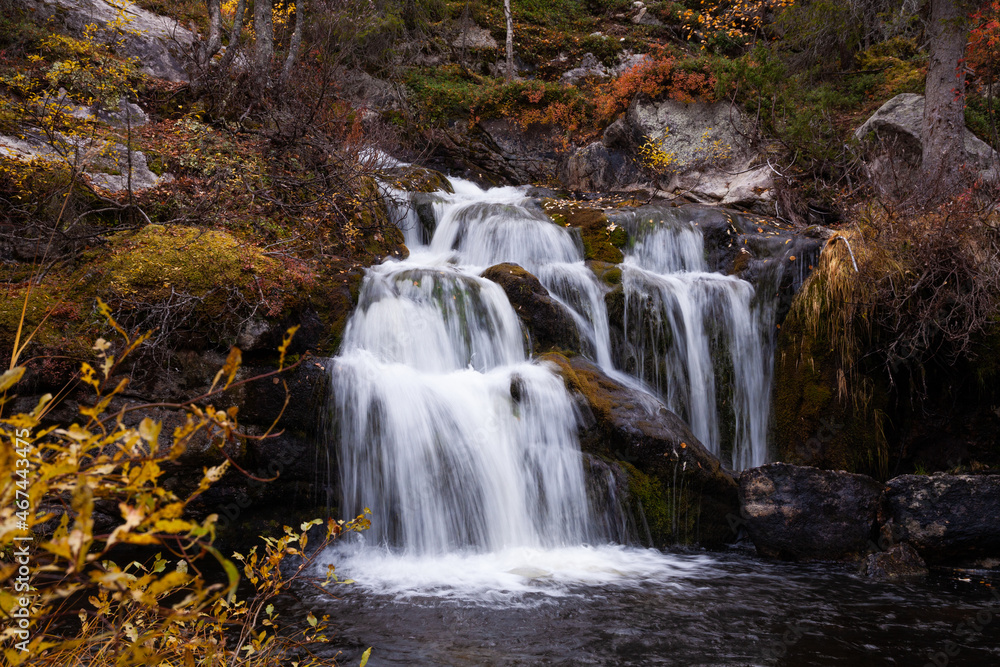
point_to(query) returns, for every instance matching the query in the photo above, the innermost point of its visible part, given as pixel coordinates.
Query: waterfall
(448, 431)
(466, 449)
(697, 336)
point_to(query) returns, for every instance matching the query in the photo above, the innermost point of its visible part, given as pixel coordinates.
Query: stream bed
(687, 608)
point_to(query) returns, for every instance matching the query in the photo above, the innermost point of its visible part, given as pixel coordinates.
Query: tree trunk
(944, 99)
(295, 42)
(234, 34)
(510, 39)
(263, 27)
(214, 30)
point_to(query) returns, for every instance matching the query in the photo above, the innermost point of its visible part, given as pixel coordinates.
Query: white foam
(514, 575)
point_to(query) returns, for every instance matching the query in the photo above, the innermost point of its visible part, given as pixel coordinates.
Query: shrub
(85, 608)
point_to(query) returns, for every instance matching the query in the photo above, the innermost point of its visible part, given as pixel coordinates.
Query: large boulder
(799, 513)
(682, 492)
(548, 323)
(495, 152)
(947, 518)
(898, 126)
(475, 38)
(712, 159)
(159, 43)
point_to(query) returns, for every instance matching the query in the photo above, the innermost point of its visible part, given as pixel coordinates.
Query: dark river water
(657, 609)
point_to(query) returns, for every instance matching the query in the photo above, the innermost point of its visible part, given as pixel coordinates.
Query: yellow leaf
(285, 343)
(229, 369)
(364, 656)
(149, 431)
(9, 378)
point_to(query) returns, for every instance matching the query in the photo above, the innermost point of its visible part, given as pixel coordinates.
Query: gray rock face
(123, 163)
(712, 161)
(596, 168)
(799, 513)
(548, 323)
(589, 66)
(159, 42)
(475, 38)
(899, 562)
(106, 166)
(693, 132)
(374, 93)
(945, 517)
(627, 60)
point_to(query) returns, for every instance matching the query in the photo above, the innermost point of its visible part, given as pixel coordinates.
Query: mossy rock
(420, 179)
(375, 234)
(197, 288)
(548, 323)
(608, 273)
(691, 496)
(602, 241)
(815, 423)
(664, 515)
(158, 261)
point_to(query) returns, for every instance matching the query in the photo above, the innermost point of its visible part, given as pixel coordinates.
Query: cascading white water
(687, 327)
(510, 228)
(448, 432)
(464, 448)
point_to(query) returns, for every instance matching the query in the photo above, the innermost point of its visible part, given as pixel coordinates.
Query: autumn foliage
(983, 52)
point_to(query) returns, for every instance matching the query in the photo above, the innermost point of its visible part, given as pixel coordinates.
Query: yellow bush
(163, 611)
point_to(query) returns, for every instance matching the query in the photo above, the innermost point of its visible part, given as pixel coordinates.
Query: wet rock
(685, 493)
(495, 152)
(799, 513)
(534, 151)
(947, 518)
(899, 562)
(548, 323)
(419, 179)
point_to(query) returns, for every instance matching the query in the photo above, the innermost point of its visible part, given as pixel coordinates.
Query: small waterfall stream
(688, 327)
(466, 448)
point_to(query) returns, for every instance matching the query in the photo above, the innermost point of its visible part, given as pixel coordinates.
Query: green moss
(159, 260)
(664, 510)
(609, 274)
(618, 238)
(600, 242)
(419, 179)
